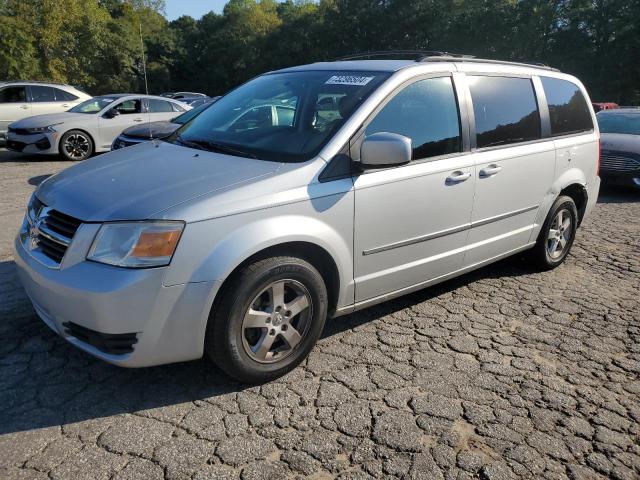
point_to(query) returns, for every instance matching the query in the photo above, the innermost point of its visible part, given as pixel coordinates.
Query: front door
(13, 106)
(411, 222)
(130, 112)
(515, 165)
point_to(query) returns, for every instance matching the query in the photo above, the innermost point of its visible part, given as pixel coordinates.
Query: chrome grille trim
(41, 235)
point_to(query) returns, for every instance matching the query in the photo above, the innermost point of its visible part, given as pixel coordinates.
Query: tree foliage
(96, 43)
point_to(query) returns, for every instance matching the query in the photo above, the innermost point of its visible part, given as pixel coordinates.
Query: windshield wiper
(188, 143)
(221, 148)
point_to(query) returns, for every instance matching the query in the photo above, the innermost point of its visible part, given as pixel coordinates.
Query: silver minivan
(306, 194)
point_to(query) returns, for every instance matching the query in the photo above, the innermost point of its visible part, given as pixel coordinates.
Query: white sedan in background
(89, 127)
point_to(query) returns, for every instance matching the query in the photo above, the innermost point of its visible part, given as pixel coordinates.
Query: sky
(193, 8)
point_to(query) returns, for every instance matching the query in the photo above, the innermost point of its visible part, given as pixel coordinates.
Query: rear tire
(268, 319)
(557, 234)
(76, 145)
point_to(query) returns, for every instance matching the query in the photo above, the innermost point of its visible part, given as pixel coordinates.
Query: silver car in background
(345, 184)
(89, 127)
(23, 99)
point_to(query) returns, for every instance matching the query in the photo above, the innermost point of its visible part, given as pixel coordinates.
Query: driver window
(129, 107)
(13, 95)
(426, 112)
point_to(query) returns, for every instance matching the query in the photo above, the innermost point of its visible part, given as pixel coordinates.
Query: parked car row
(57, 119)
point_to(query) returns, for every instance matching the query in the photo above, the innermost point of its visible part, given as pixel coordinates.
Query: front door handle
(458, 176)
(138, 120)
(65, 105)
(24, 107)
(490, 171)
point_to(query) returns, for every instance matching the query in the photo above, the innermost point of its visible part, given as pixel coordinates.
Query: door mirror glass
(385, 149)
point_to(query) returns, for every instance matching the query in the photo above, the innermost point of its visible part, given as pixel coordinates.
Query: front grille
(49, 232)
(618, 162)
(19, 131)
(111, 343)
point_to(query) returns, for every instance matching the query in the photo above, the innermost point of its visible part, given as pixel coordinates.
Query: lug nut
(272, 332)
(284, 327)
(268, 319)
(287, 313)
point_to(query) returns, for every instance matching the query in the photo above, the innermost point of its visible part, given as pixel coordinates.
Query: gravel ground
(503, 373)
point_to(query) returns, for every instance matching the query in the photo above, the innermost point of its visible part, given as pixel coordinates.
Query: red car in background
(598, 106)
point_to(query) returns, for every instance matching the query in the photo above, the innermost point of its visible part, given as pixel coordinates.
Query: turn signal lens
(156, 244)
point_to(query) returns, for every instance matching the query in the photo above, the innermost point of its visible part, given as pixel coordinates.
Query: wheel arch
(580, 197)
(316, 255)
(572, 183)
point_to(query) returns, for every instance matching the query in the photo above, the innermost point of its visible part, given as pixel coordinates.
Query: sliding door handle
(490, 171)
(458, 176)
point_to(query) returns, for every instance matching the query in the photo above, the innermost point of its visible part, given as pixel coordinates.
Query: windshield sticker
(348, 80)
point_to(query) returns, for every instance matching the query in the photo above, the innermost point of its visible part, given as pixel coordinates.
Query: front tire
(268, 319)
(557, 234)
(76, 145)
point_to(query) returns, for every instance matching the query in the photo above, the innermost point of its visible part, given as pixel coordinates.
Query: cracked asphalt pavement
(503, 373)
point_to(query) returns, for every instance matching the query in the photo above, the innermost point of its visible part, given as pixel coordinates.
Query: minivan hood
(50, 119)
(136, 182)
(151, 130)
(621, 142)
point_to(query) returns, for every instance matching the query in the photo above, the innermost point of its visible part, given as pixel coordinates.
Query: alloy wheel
(277, 320)
(77, 146)
(559, 234)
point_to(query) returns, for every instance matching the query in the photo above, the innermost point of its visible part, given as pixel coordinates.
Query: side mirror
(111, 113)
(385, 149)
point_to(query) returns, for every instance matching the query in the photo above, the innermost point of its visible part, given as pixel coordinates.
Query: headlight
(136, 244)
(47, 129)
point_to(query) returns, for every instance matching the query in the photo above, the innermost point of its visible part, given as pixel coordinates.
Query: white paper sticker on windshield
(348, 80)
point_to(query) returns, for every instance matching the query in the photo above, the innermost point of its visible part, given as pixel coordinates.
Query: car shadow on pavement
(44, 381)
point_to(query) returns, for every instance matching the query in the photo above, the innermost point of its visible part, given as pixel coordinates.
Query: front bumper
(630, 179)
(43, 143)
(169, 323)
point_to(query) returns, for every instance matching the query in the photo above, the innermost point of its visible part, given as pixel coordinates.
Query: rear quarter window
(568, 109)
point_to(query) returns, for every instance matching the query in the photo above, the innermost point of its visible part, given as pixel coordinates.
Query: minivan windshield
(285, 117)
(93, 105)
(610, 122)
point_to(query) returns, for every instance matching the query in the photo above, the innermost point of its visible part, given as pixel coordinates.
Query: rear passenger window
(505, 110)
(568, 109)
(426, 112)
(40, 93)
(159, 106)
(62, 96)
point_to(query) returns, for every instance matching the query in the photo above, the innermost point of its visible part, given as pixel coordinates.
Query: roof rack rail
(470, 59)
(417, 54)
